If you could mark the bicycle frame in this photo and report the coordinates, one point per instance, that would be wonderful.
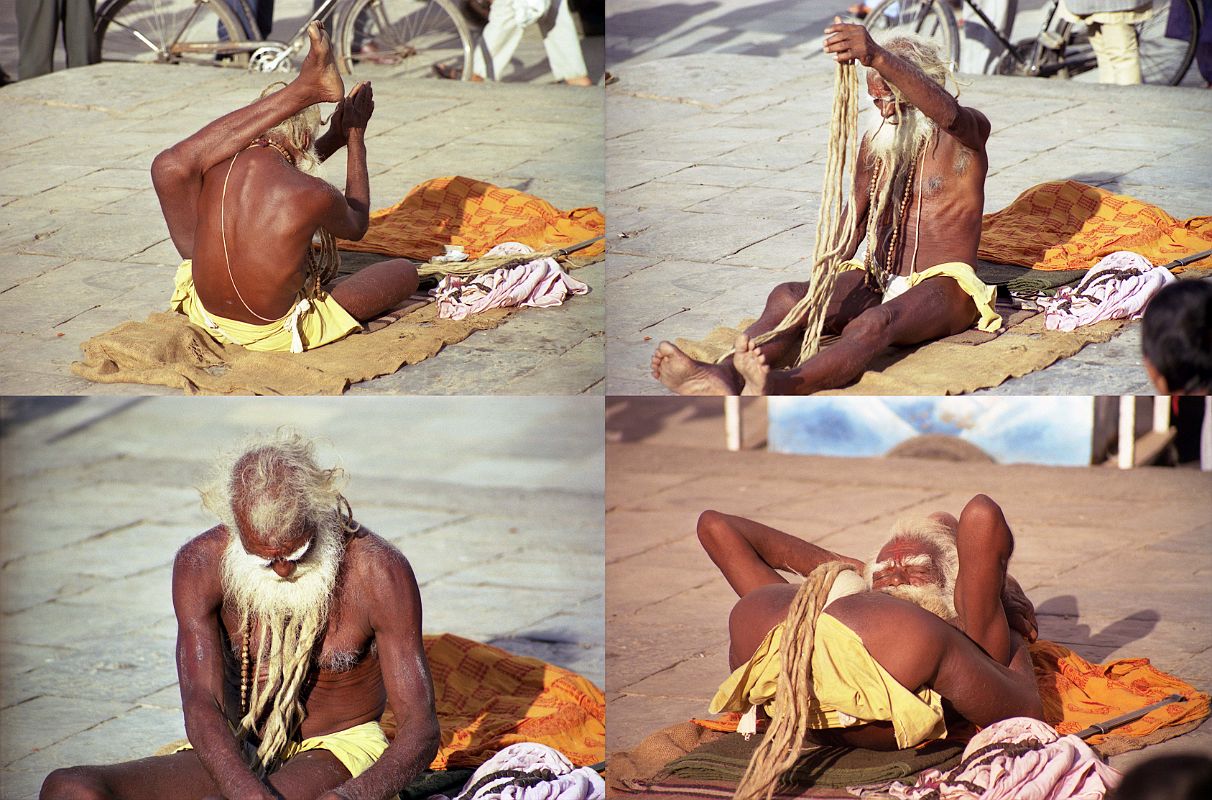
(285, 50)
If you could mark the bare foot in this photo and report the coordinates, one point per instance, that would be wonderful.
(682, 374)
(319, 71)
(583, 80)
(752, 365)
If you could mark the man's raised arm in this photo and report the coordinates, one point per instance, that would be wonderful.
(849, 42)
(197, 598)
(347, 216)
(394, 603)
(748, 553)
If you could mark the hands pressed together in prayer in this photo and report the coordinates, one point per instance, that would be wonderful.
(849, 43)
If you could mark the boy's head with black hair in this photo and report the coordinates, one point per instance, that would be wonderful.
(1177, 338)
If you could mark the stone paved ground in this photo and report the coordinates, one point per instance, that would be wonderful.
(716, 161)
(84, 246)
(503, 531)
(1117, 563)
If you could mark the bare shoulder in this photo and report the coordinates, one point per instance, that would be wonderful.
(376, 564)
(196, 573)
(972, 128)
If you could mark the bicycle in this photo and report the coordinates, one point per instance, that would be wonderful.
(405, 33)
(1062, 50)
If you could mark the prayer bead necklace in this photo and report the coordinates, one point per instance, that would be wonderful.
(889, 266)
(264, 142)
(244, 666)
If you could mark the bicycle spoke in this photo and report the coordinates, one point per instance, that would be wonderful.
(417, 33)
(169, 31)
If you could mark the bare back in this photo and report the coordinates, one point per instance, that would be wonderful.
(271, 212)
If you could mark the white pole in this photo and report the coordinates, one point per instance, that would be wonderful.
(1161, 414)
(1127, 432)
(732, 422)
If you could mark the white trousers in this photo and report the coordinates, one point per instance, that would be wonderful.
(502, 35)
(1116, 49)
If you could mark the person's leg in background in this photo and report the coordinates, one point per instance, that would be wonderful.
(501, 37)
(1116, 49)
(78, 37)
(37, 25)
(563, 47)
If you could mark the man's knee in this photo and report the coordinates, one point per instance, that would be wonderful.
(786, 295)
(73, 783)
(871, 327)
(982, 512)
(710, 525)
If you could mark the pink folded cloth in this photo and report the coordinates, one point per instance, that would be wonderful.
(1117, 287)
(1022, 759)
(540, 283)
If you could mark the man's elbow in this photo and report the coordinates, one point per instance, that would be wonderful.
(169, 172)
(431, 741)
(984, 516)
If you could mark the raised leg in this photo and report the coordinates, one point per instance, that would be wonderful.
(372, 290)
(933, 309)
(177, 172)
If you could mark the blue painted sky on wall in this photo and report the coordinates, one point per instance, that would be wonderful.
(1037, 430)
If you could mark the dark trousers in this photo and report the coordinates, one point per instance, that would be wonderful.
(38, 28)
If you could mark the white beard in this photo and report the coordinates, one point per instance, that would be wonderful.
(930, 597)
(256, 590)
(893, 144)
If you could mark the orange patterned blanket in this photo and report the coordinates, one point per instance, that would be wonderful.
(1069, 225)
(476, 215)
(488, 699)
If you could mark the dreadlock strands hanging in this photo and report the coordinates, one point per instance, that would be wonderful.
(784, 739)
(834, 226)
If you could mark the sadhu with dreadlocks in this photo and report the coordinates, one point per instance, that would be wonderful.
(295, 627)
(928, 636)
(242, 212)
(918, 193)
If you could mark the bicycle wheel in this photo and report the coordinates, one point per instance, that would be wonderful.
(170, 31)
(411, 36)
(1164, 60)
(931, 20)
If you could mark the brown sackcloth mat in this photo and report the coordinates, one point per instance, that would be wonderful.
(167, 350)
(955, 365)
(686, 758)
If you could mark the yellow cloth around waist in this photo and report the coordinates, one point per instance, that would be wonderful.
(356, 748)
(981, 293)
(313, 321)
(846, 681)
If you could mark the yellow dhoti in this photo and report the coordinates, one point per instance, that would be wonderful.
(356, 748)
(849, 687)
(981, 293)
(311, 322)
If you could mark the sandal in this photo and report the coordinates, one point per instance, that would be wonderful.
(453, 72)
(374, 54)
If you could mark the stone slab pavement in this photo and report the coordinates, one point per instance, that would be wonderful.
(715, 168)
(504, 533)
(1116, 562)
(84, 247)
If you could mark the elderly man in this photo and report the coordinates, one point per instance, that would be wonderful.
(919, 192)
(242, 214)
(296, 626)
(935, 620)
